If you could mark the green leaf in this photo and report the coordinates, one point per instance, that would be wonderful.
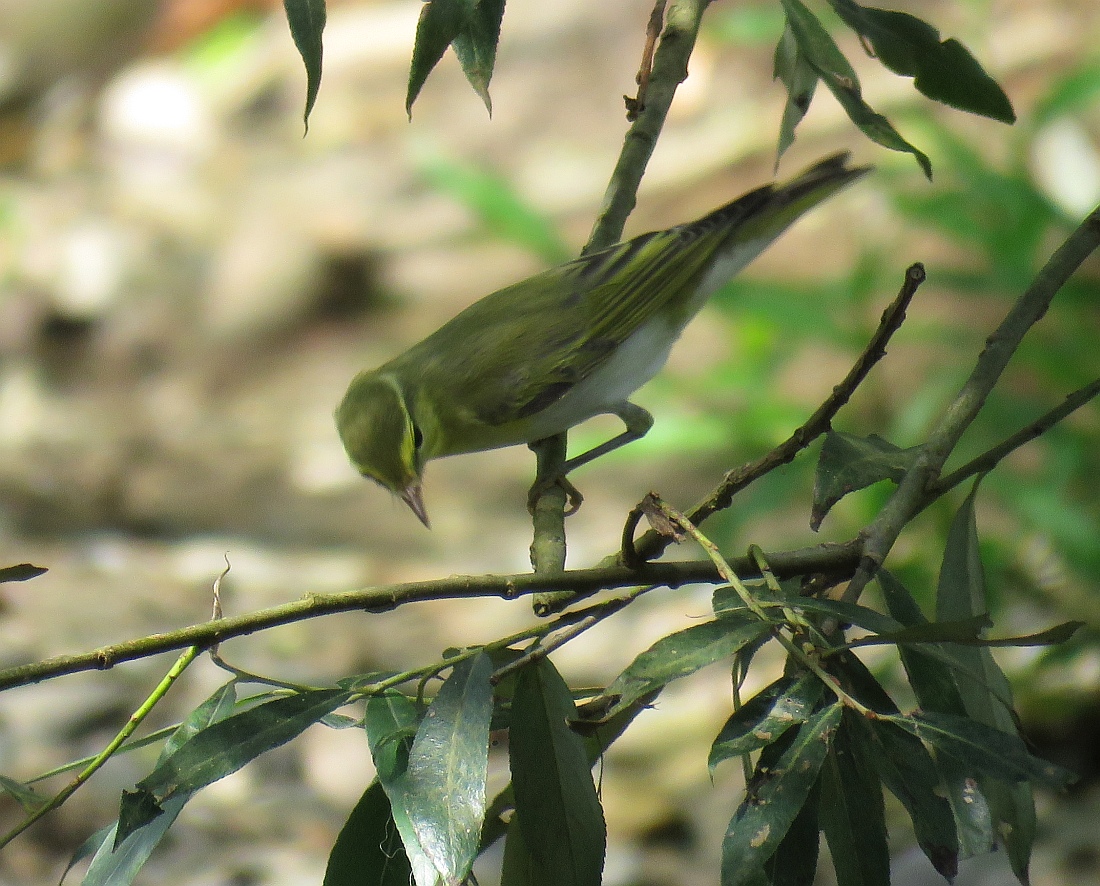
(794, 862)
(390, 721)
(559, 813)
(727, 603)
(440, 22)
(476, 45)
(983, 748)
(26, 796)
(944, 71)
(222, 749)
(800, 78)
(982, 684)
(775, 798)
(848, 463)
(766, 716)
(307, 23)
(852, 812)
(368, 851)
(833, 68)
(681, 654)
(448, 764)
(21, 572)
(518, 867)
(118, 863)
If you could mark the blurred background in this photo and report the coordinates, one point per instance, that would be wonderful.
(187, 284)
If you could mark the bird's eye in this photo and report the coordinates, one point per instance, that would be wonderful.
(418, 437)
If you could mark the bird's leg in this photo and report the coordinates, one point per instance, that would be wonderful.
(551, 472)
(638, 422)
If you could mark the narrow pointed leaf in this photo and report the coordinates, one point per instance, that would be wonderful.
(983, 748)
(983, 686)
(440, 22)
(852, 812)
(559, 813)
(910, 774)
(681, 654)
(943, 71)
(307, 24)
(476, 45)
(834, 69)
(21, 572)
(448, 766)
(849, 463)
(26, 796)
(222, 749)
(390, 721)
(766, 716)
(794, 862)
(117, 863)
(800, 80)
(518, 867)
(368, 850)
(763, 819)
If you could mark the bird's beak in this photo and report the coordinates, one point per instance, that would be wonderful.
(414, 498)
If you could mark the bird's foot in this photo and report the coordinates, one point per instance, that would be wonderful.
(544, 485)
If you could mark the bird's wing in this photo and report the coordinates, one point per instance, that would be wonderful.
(518, 350)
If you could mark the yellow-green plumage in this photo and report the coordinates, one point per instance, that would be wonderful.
(538, 357)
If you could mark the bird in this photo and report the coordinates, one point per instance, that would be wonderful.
(543, 355)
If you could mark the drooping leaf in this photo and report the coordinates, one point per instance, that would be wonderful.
(944, 71)
(821, 52)
(390, 721)
(794, 862)
(848, 463)
(368, 850)
(852, 812)
(983, 748)
(440, 22)
(800, 79)
(903, 764)
(766, 716)
(983, 686)
(476, 45)
(21, 572)
(447, 768)
(683, 653)
(27, 797)
(517, 869)
(307, 24)
(559, 813)
(775, 799)
(222, 749)
(117, 864)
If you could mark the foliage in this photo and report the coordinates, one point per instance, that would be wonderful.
(828, 736)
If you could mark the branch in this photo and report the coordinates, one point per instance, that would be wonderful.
(828, 558)
(652, 544)
(669, 68)
(990, 459)
(911, 495)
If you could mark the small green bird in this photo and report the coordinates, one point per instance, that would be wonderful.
(540, 356)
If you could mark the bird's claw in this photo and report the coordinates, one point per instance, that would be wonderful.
(540, 487)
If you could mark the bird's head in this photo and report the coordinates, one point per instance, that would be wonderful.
(382, 439)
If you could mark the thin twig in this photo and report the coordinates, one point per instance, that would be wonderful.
(136, 718)
(669, 68)
(635, 106)
(911, 494)
(990, 459)
(651, 544)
